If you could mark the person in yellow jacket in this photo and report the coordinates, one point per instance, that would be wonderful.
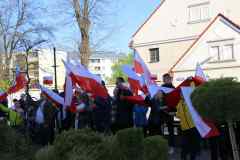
(190, 138)
(14, 116)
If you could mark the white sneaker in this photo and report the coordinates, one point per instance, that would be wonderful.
(171, 150)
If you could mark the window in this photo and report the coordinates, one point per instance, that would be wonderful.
(97, 68)
(198, 12)
(227, 53)
(95, 60)
(214, 53)
(154, 55)
(222, 52)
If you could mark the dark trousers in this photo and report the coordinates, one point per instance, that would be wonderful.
(170, 126)
(190, 144)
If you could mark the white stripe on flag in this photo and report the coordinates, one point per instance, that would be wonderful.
(201, 126)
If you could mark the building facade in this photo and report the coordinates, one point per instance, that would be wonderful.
(174, 26)
(40, 63)
(100, 63)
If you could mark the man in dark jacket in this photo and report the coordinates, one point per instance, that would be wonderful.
(124, 109)
(169, 118)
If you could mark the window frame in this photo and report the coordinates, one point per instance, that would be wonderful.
(154, 52)
(221, 44)
(199, 6)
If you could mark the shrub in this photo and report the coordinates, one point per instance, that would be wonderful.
(218, 100)
(85, 144)
(46, 153)
(77, 144)
(129, 144)
(14, 144)
(155, 148)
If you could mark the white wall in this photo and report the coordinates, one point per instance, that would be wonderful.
(46, 62)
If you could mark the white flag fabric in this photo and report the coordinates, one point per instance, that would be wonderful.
(154, 88)
(201, 126)
(52, 95)
(68, 91)
(128, 70)
(86, 80)
(200, 73)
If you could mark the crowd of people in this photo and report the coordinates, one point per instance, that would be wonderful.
(42, 119)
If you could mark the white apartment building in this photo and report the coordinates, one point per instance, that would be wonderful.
(100, 63)
(181, 33)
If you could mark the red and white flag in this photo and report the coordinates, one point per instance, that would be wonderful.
(141, 68)
(136, 82)
(87, 81)
(154, 88)
(48, 80)
(205, 130)
(173, 97)
(20, 82)
(51, 95)
(199, 73)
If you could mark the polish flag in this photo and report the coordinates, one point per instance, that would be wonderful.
(138, 99)
(136, 82)
(20, 82)
(87, 81)
(54, 97)
(173, 97)
(154, 88)
(141, 68)
(199, 73)
(206, 130)
(48, 80)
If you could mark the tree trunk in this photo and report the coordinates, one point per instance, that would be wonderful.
(233, 141)
(83, 20)
(84, 51)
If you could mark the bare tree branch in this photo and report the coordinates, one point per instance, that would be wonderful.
(19, 20)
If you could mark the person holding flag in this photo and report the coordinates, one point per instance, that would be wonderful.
(190, 138)
(124, 109)
(169, 115)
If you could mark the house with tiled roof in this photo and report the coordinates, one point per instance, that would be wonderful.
(181, 33)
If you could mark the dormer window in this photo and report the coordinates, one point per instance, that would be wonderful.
(199, 12)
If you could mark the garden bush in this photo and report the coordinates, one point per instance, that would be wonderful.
(46, 153)
(14, 145)
(155, 148)
(218, 100)
(85, 144)
(129, 144)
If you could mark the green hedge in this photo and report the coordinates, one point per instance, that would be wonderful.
(155, 148)
(14, 145)
(218, 100)
(128, 144)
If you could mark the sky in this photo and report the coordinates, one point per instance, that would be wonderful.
(123, 18)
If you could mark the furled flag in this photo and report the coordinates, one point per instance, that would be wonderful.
(20, 82)
(48, 80)
(205, 130)
(199, 73)
(51, 95)
(87, 81)
(68, 90)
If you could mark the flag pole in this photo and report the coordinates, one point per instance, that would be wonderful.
(55, 67)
